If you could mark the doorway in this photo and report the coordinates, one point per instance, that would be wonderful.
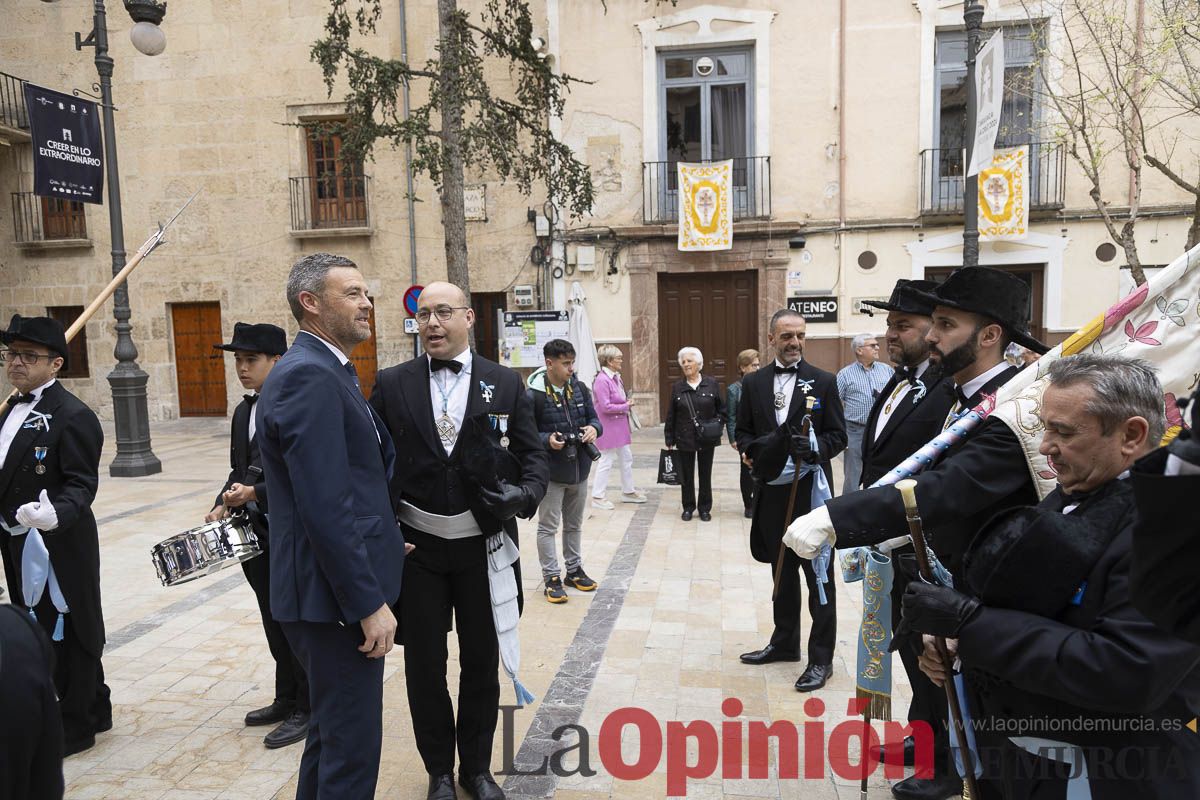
(199, 370)
(487, 325)
(364, 357)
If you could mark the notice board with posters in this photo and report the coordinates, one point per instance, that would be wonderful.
(68, 157)
(526, 332)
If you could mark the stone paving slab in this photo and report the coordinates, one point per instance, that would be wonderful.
(678, 601)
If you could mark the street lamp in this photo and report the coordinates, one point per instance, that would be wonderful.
(973, 16)
(127, 380)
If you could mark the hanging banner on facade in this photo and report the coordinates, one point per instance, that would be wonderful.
(989, 94)
(705, 218)
(1004, 196)
(68, 157)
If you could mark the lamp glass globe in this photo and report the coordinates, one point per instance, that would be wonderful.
(148, 38)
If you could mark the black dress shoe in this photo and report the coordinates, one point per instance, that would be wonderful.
(902, 753)
(276, 712)
(441, 787)
(938, 787)
(813, 677)
(481, 787)
(291, 730)
(686, 516)
(767, 655)
(705, 516)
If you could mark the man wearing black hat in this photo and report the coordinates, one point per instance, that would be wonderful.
(256, 349)
(50, 445)
(977, 312)
(1076, 693)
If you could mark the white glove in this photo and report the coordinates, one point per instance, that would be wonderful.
(808, 534)
(40, 515)
(892, 544)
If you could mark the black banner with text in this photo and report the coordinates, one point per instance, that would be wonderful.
(68, 156)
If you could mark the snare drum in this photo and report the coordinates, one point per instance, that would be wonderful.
(204, 550)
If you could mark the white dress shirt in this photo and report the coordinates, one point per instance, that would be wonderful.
(456, 390)
(899, 392)
(784, 384)
(16, 418)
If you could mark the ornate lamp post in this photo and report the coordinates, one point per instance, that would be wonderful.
(127, 380)
(973, 16)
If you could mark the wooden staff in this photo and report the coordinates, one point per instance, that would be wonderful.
(805, 427)
(908, 490)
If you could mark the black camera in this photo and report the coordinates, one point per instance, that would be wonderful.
(575, 439)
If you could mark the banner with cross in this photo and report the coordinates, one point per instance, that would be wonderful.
(705, 218)
(1004, 196)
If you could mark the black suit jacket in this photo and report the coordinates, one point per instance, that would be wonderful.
(909, 427)
(442, 484)
(245, 467)
(73, 441)
(756, 437)
(978, 477)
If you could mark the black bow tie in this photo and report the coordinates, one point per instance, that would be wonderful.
(907, 374)
(250, 398)
(963, 400)
(17, 399)
(1069, 499)
(792, 369)
(436, 364)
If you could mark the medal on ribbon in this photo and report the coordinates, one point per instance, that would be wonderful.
(40, 454)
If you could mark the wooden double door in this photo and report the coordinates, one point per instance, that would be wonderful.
(716, 312)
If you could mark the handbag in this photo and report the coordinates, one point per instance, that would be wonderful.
(708, 432)
(668, 473)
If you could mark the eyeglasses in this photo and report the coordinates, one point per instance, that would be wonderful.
(443, 313)
(24, 357)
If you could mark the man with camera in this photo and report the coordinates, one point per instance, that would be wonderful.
(568, 426)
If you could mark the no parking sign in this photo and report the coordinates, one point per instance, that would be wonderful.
(410, 298)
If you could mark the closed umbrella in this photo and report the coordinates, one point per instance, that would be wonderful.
(579, 331)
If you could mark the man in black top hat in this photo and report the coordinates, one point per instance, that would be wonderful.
(977, 312)
(50, 445)
(255, 350)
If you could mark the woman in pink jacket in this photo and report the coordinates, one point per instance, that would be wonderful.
(612, 406)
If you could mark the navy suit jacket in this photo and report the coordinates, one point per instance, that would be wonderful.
(336, 552)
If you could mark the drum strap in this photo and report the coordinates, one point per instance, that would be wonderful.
(458, 526)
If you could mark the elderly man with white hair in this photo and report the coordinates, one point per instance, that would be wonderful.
(695, 419)
(859, 384)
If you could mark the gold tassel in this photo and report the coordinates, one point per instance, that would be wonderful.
(879, 705)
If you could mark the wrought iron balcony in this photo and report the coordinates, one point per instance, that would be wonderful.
(13, 114)
(751, 189)
(942, 178)
(330, 202)
(47, 219)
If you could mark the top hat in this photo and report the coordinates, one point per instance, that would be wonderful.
(260, 338)
(994, 293)
(906, 298)
(39, 330)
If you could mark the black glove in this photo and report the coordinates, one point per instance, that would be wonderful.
(506, 503)
(1186, 446)
(936, 610)
(799, 446)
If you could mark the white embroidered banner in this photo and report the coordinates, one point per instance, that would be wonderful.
(705, 216)
(1004, 196)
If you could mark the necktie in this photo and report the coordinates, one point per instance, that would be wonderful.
(780, 370)
(436, 364)
(349, 367)
(17, 399)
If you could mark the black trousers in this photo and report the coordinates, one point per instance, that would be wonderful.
(747, 486)
(822, 636)
(83, 697)
(928, 701)
(687, 469)
(444, 577)
(345, 732)
(31, 737)
(291, 682)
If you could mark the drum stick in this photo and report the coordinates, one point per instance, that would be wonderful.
(805, 427)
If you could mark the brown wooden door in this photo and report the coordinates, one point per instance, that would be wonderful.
(199, 368)
(1033, 274)
(716, 312)
(364, 359)
(487, 328)
(338, 191)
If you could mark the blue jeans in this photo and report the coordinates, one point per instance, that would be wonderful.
(853, 456)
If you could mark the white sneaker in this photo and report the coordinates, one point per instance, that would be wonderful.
(600, 502)
(636, 497)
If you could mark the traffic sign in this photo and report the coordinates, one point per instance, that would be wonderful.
(410, 298)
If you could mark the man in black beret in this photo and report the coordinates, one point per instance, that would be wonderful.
(256, 349)
(50, 445)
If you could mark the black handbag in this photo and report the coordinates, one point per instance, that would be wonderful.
(708, 432)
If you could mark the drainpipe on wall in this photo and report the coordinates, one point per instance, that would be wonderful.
(408, 170)
(840, 240)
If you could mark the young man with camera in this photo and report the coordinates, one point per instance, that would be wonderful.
(568, 426)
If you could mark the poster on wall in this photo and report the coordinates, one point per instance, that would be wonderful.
(526, 332)
(68, 157)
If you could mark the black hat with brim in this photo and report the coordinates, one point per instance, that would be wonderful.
(993, 293)
(37, 330)
(906, 298)
(259, 338)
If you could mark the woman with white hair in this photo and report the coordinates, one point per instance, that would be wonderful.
(613, 407)
(695, 419)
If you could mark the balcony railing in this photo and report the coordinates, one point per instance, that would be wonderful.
(329, 202)
(13, 113)
(942, 178)
(751, 195)
(47, 219)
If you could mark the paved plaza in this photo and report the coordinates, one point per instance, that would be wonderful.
(678, 601)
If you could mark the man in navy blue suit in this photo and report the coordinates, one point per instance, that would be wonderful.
(336, 552)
